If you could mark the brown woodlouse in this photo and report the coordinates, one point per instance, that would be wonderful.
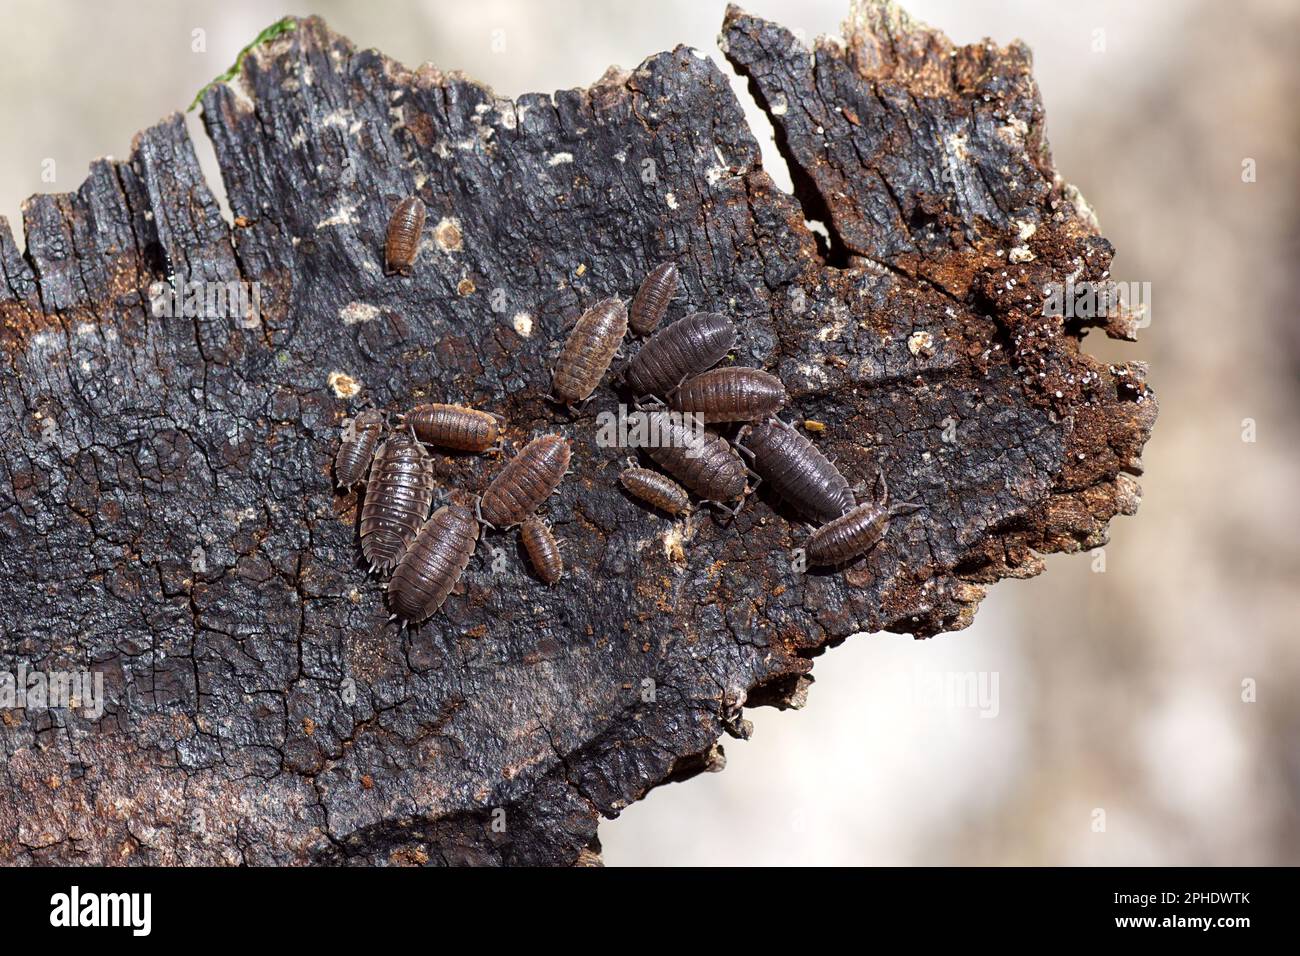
(404, 231)
(433, 564)
(799, 473)
(651, 301)
(705, 463)
(525, 482)
(857, 531)
(589, 351)
(656, 490)
(357, 448)
(543, 549)
(688, 346)
(398, 496)
(731, 394)
(453, 426)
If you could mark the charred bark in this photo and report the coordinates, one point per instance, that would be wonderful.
(166, 507)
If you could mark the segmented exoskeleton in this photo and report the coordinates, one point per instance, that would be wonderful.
(798, 472)
(589, 351)
(687, 347)
(703, 462)
(651, 301)
(525, 482)
(453, 426)
(731, 394)
(402, 242)
(398, 496)
(856, 532)
(433, 564)
(542, 548)
(357, 447)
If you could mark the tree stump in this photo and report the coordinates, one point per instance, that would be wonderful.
(166, 505)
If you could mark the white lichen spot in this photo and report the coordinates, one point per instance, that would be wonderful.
(957, 146)
(921, 343)
(355, 312)
(813, 375)
(559, 159)
(448, 236)
(343, 119)
(236, 86)
(778, 105)
(523, 323)
(343, 386)
(41, 342)
(621, 156)
(1015, 129)
(343, 216)
(673, 549)
(671, 200)
(1025, 229)
(1021, 254)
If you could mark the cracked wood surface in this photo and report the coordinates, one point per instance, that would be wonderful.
(261, 709)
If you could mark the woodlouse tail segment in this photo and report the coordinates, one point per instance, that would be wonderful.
(880, 492)
(905, 508)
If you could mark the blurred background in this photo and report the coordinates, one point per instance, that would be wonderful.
(1142, 714)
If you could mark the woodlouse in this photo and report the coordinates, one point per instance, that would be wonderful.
(589, 351)
(731, 394)
(543, 549)
(453, 426)
(799, 473)
(857, 531)
(357, 447)
(398, 496)
(656, 490)
(433, 564)
(702, 461)
(525, 482)
(688, 346)
(651, 301)
(404, 231)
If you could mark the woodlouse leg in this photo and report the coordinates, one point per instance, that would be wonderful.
(478, 513)
(733, 512)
